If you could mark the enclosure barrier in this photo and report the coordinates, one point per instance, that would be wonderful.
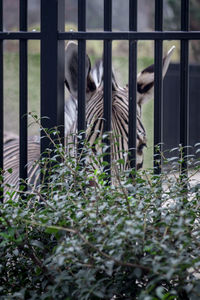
(52, 37)
(171, 99)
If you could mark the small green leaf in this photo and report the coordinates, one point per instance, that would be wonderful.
(10, 170)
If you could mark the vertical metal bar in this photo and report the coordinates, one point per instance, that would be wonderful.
(81, 67)
(52, 67)
(23, 81)
(184, 84)
(61, 71)
(132, 83)
(107, 66)
(158, 90)
(1, 95)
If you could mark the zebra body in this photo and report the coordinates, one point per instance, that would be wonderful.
(120, 102)
(94, 112)
(119, 124)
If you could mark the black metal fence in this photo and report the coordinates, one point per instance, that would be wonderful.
(171, 106)
(53, 36)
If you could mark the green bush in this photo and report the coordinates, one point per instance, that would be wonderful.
(78, 237)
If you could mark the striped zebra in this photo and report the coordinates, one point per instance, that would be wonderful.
(94, 112)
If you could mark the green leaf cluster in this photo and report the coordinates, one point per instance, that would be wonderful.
(85, 234)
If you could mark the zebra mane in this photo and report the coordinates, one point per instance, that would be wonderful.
(97, 75)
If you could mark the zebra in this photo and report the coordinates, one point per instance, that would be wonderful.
(94, 111)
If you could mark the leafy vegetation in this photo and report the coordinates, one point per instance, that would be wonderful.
(77, 237)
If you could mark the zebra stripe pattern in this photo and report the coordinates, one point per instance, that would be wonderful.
(94, 112)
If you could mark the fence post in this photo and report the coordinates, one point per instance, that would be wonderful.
(158, 90)
(184, 86)
(107, 80)
(81, 67)
(1, 97)
(23, 93)
(133, 4)
(52, 67)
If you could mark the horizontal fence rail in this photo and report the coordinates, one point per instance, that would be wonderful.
(101, 35)
(53, 36)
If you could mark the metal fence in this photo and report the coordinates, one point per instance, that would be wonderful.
(52, 37)
(171, 106)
